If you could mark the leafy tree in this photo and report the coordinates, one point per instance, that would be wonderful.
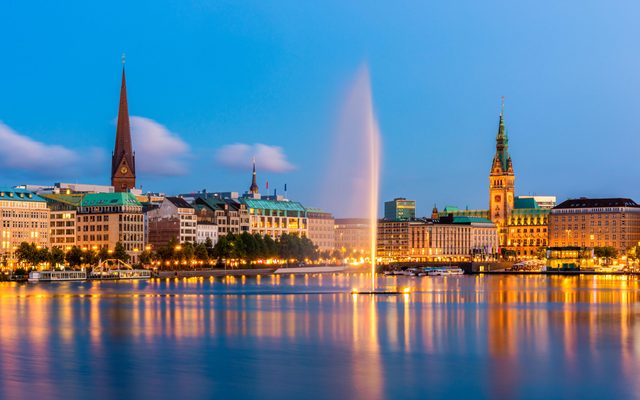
(56, 256)
(201, 253)
(27, 253)
(120, 253)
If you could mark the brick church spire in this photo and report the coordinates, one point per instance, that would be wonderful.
(123, 160)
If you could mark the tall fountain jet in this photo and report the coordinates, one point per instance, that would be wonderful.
(354, 173)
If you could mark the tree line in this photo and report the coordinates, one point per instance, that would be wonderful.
(243, 247)
(32, 255)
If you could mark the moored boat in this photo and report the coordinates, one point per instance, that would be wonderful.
(55, 276)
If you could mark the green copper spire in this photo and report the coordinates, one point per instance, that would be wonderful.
(502, 143)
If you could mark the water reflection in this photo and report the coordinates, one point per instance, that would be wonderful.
(274, 337)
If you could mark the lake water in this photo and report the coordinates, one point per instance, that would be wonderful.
(307, 337)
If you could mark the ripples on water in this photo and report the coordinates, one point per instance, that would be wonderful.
(308, 337)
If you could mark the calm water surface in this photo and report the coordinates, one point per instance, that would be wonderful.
(308, 337)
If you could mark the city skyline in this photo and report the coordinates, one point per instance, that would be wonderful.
(556, 120)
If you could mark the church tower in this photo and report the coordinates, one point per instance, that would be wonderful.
(123, 159)
(501, 183)
(253, 189)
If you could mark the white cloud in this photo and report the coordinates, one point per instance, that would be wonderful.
(21, 152)
(240, 156)
(158, 150)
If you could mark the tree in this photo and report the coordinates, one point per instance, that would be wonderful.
(74, 256)
(120, 253)
(56, 256)
(27, 253)
(201, 253)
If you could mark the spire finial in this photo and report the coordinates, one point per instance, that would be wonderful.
(124, 59)
(502, 108)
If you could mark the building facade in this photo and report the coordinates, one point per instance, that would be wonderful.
(63, 208)
(321, 229)
(104, 219)
(174, 219)
(24, 217)
(589, 223)
(274, 218)
(400, 209)
(353, 237)
(206, 230)
(446, 239)
(229, 215)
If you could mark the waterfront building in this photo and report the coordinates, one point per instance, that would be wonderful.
(353, 236)
(206, 230)
(546, 202)
(400, 209)
(123, 165)
(24, 217)
(173, 219)
(67, 188)
(321, 229)
(229, 215)
(274, 218)
(448, 238)
(63, 208)
(589, 223)
(104, 219)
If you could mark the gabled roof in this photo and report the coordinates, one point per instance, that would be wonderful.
(72, 200)
(179, 202)
(584, 202)
(12, 194)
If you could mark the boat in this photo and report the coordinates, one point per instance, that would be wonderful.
(112, 269)
(57, 276)
(446, 271)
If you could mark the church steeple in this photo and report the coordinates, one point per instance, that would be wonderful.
(502, 159)
(254, 184)
(123, 167)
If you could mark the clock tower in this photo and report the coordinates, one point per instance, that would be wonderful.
(501, 183)
(123, 159)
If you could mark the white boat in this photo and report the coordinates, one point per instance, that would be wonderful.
(55, 276)
(446, 271)
(118, 269)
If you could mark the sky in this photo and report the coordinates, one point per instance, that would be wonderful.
(212, 84)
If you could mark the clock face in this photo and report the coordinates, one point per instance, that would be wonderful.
(124, 170)
(497, 198)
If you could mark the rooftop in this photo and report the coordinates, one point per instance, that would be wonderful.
(12, 194)
(109, 199)
(273, 205)
(584, 202)
(179, 202)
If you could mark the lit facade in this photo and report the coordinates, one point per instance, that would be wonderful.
(173, 219)
(400, 209)
(104, 219)
(353, 236)
(24, 217)
(229, 215)
(589, 223)
(321, 229)
(274, 218)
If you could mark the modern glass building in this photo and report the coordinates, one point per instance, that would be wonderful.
(400, 209)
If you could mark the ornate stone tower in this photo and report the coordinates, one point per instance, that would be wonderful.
(123, 159)
(501, 183)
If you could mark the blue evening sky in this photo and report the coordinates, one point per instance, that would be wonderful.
(216, 73)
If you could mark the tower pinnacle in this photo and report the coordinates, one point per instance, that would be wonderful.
(254, 184)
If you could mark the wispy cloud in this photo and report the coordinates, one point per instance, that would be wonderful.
(240, 156)
(24, 154)
(158, 150)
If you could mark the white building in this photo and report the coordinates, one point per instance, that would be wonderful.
(206, 230)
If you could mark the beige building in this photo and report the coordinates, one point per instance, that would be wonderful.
(446, 239)
(321, 229)
(353, 236)
(63, 219)
(24, 217)
(275, 217)
(104, 219)
(589, 223)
